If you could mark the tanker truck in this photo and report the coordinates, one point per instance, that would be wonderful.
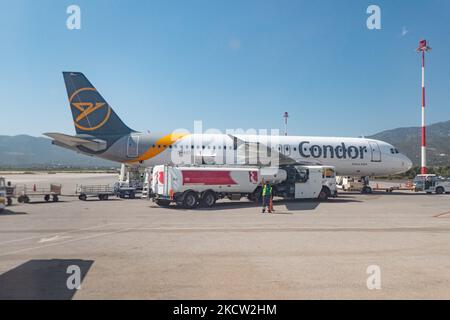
(191, 186)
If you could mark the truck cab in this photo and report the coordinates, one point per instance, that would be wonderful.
(430, 183)
(315, 182)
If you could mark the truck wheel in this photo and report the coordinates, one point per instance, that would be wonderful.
(132, 195)
(47, 197)
(190, 200)
(26, 199)
(9, 201)
(20, 199)
(208, 199)
(256, 196)
(163, 203)
(323, 195)
(439, 190)
(105, 197)
(367, 190)
(55, 198)
(82, 197)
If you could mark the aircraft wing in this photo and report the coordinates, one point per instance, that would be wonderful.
(72, 142)
(256, 153)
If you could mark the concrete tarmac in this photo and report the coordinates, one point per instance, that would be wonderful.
(132, 249)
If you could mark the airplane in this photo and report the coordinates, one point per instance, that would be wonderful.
(101, 133)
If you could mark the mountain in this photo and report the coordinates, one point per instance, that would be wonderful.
(408, 141)
(25, 151)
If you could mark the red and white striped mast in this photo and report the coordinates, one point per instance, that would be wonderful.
(423, 48)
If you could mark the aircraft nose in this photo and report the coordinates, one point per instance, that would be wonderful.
(407, 162)
(410, 164)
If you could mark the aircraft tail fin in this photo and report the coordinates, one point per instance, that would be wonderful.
(91, 113)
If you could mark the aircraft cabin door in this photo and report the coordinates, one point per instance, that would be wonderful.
(133, 146)
(376, 152)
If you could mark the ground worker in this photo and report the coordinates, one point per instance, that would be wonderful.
(267, 195)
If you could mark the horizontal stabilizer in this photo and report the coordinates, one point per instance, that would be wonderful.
(73, 141)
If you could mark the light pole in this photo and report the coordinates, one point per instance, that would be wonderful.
(423, 48)
(285, 116)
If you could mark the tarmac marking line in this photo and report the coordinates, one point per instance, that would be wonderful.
(67, 241)
(55, 234)
(441, 214)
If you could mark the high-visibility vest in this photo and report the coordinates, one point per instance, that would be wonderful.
(267, 191)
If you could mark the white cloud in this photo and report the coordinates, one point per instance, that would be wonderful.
(404, 31)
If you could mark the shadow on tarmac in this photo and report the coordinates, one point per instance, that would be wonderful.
(41, 279)
(8, 212)
(290, 205)
(43, 201)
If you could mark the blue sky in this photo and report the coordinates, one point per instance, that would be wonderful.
(232, 64)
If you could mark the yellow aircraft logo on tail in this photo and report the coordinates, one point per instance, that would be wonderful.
(87, 108)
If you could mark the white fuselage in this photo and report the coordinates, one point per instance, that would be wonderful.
(350, 156)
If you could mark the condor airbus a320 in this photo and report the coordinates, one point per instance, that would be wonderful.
(101, 133)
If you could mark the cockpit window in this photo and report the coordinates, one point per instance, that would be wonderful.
(392, 150)
(396, 151)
